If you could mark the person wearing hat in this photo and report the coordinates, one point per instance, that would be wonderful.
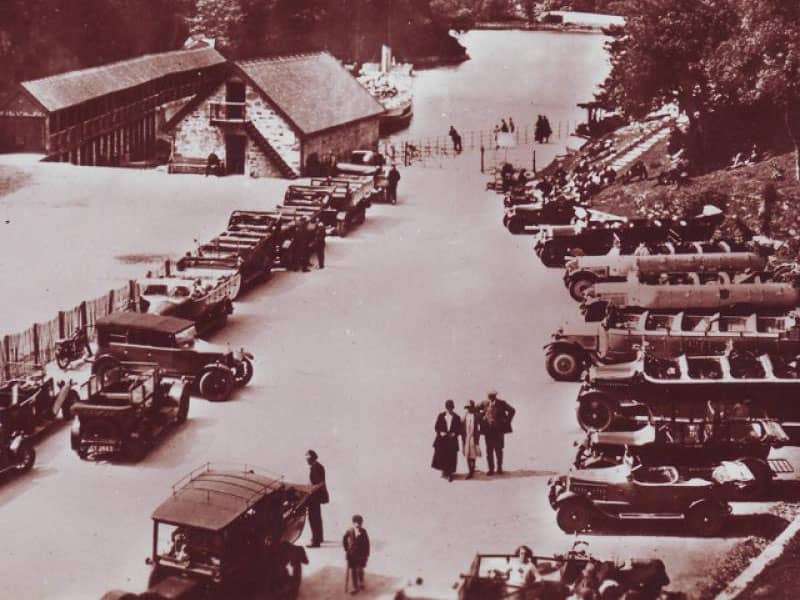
(316, 476)
(470, 436)
(445, 445)
(496, 417)
(356, 552)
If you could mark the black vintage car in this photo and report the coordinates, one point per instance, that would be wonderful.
(694, 446)
(126, 413)
(584, 499)
(528, 217)
(127, 339)
(741, 383)
(34, 403)
(556, 243)
(226, 533)
(620, 336)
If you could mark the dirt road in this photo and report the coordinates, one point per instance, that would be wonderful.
(429, 300)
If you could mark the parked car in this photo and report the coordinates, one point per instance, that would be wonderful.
(361, 188)
(340, 212)
(226, 533)
(34, 403)
(126, 413)
(529, 217)
(694, 446)
(281, 224)
(582, 272)
(18, 454)
(583, 499)
(557, 242)
(739, 382)
(620, 336)
(369, 163)
(490, 575)
(205, 304)
(769, 297)
(127, 339)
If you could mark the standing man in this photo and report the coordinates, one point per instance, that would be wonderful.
(319, 496)
(319, 244)
(394, 179)
(356, 552)
(445, 445)
(497, 415)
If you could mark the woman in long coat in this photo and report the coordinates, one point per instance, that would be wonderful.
(470, 436)
(445, 446)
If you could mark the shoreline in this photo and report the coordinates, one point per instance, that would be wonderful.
(526, 26)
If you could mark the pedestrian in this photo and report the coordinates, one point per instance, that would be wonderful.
(503, 126)
(547, 131)
(319, 496)
(356, 552)
(456, 137)
(445, 445)
(496, 417)
(301, 245)
(213, 164)
(319, 244)
(393, 180)
(471, 436)
(511, 126)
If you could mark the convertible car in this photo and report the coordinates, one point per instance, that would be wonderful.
(583, 499)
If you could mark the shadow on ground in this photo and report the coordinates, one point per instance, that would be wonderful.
(738, 526)
(329, 582)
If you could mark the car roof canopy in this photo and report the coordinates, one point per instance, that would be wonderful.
(211, 498)
(145, 321)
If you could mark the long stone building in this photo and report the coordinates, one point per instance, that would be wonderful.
(109, 114)
(278, 117)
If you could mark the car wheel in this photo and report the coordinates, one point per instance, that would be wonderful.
(216, 384)
(183, 407)
(515, 225)
(706, 518)
(578, 287)
(574, 516)
(551, 257)
(26, 456)
(135, 450)
(244, 372)
(564, 364)
(595, 413)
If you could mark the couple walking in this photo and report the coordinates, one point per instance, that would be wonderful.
(492, 418)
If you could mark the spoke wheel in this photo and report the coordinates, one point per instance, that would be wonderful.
(577, 289)
(216, 384)
(595, 413)
(564, 365)
(574, 516)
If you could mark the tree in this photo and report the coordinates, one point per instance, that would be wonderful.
(759, 65)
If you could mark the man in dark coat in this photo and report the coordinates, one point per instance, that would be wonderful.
(394, 179)
(316, 476)
(445, 446)
(356, 551)
(496, 415)
(319, 244)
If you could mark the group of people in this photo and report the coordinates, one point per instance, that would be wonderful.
(355, 541)
(491, 418)
(542, 130)
(308, 240)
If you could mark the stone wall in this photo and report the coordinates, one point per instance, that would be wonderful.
(362, 135)
(274, 128)
(195, 136)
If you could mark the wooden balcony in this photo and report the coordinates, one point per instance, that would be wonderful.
(227, 112)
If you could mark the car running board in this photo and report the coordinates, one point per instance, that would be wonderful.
(669, 516)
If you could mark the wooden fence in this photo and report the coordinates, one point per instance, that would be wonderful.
(21, 353)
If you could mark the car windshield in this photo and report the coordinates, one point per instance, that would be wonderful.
(188, 546)
(186, 338)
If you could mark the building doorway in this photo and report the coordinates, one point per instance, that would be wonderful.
(235, 146)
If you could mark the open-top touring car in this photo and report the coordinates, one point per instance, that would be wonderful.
(204, 303)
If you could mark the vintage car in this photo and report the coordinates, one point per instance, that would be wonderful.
(126, 413)
(375, 184)
(582, 272)
(18, 454)
(226, 533)
(494, 576)
(770, 297)
(340, 212)
(127, 339)
(204, 303)
(33, 403)
(582, 499)
(740, 383)
(694, 446)
(367, 163)
(281, 224)
(529, 217)
(620, 336)
(361, 188)
(557, 242)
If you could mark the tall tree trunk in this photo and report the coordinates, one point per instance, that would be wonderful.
(794, 134)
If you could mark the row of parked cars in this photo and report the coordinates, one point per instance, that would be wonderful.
(688, 355)
(222, 531)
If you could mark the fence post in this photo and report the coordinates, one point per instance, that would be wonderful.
(7, 349)
(559, 130)
(534, 161)
(167, 268)
(132, 300)
(84, 318)
(62, 324)
(36, 356)
(482, 152)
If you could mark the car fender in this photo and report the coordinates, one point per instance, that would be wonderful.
(582, 274)
(721, 504)
(559, 345)
(569, 495)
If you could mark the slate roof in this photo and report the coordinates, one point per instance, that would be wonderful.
(71, 88)
(314, 91)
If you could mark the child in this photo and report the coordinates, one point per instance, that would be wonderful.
(356, 551)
